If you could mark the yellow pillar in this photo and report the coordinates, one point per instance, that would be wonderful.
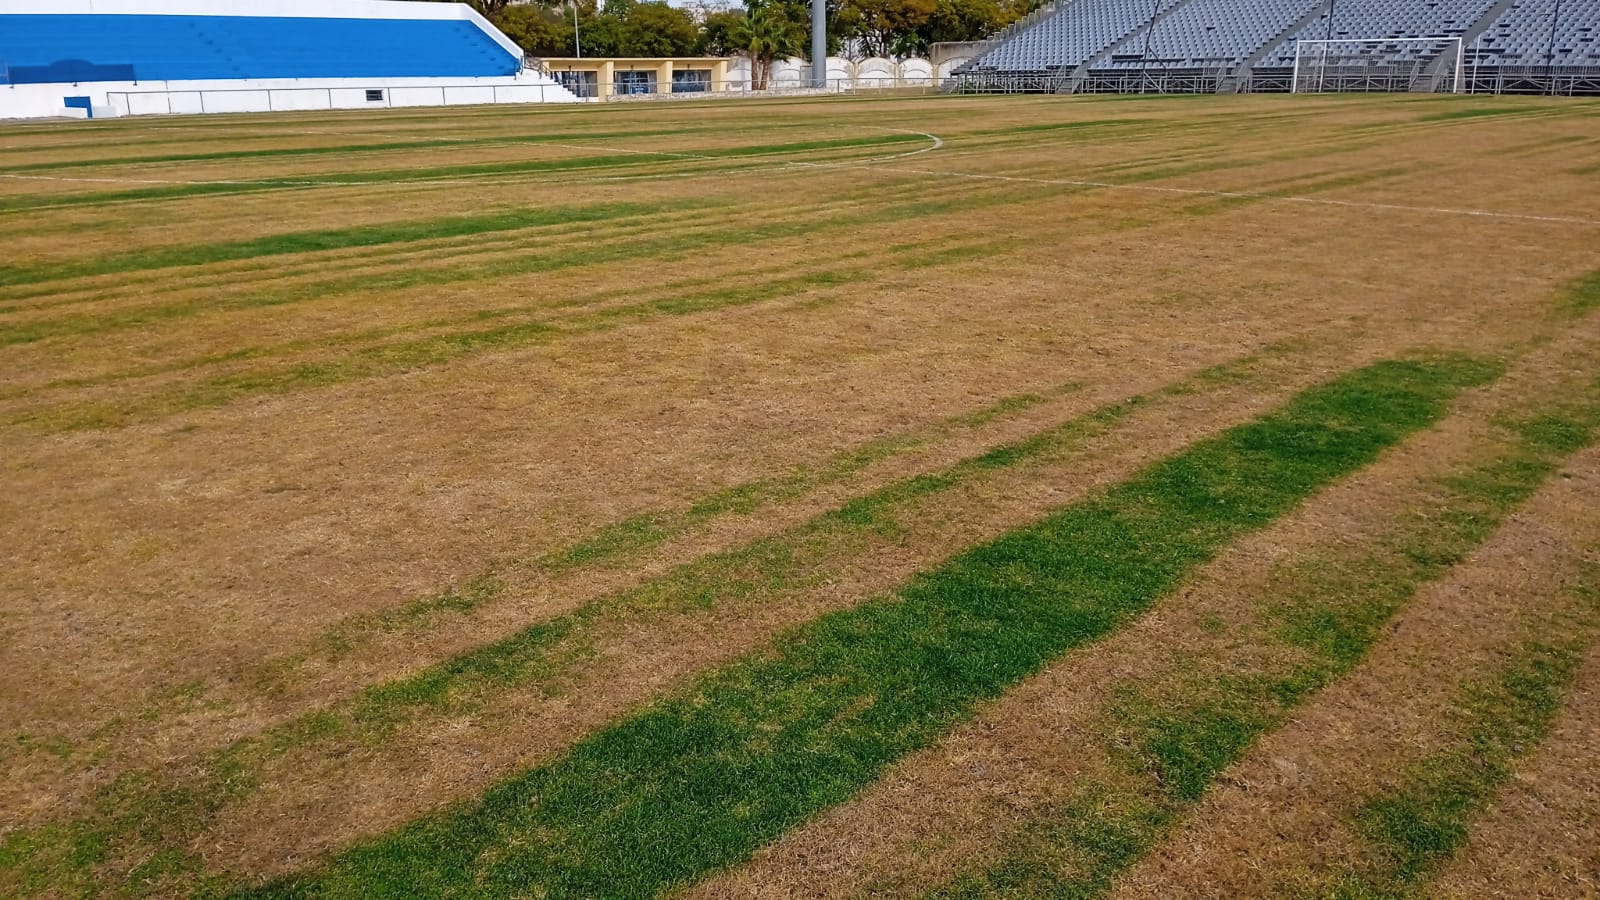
(719, 75)
(664, 77)
(607, 76)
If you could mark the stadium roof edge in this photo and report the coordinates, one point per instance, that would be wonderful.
(289, 9)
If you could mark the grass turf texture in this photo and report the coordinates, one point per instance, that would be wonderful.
(1172, 737)
(700, 780)
(158, 814)
(1420, 822)
(338, 410)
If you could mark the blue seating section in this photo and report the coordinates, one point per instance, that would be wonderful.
(39, 49)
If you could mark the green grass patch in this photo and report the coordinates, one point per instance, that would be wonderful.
(1582, 295)
(1420, 822)
(1169, 737)
(1076, 854)
(539, 655)
(700, 780)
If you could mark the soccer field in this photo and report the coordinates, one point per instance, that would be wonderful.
(936, 496)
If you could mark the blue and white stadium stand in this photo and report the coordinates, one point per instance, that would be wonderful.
(130, 57)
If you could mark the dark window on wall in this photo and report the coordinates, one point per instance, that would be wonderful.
(374, 96)
(636, 82)
(691, 81)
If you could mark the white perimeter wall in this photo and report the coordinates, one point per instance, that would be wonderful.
(120, 98)
(873, 72)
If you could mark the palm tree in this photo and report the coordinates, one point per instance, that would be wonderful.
(768, 35)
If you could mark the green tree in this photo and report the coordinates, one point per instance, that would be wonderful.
(539, 31)
(656, 29)
(769, 34)
(719, 33)
(884, 27)
(965, 20)
(602, 31)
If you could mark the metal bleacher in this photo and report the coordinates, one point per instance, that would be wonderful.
(1202, 40)
(1191, 46)
(1538, 41)
(1054, 46)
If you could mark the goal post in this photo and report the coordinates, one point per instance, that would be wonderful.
(1375, 64)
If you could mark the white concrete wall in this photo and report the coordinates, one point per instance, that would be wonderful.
(114, 98)
(874, 73)
(916, 72)
(843, 74)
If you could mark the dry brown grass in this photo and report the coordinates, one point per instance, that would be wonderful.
(955, 808)
(1281, 820)
(152, 570)
(1538, 840)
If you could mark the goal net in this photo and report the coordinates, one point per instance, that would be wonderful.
(1378, 64)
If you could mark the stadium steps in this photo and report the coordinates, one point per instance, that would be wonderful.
(1437, 71)
(1246, 70)
(1075, 81)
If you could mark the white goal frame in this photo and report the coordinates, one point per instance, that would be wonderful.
(1302, 63)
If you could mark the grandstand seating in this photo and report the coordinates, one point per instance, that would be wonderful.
(1369, 19)
(1251, 45)
(74, 48)
(1211, 33)
(1522, 36)
(1078, 31)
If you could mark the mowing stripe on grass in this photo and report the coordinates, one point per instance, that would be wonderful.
(332, 239)
(347, 149)
(701, 780)
(386, 359)
(412, 354)
(617, 245)
(1419, 823)
(143, 814)
(641, 159)
(1170, 737)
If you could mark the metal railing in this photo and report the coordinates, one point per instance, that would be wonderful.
(729, 89)
(1152, 81)
(1007, 83)
(238, 100)
(1566, 81)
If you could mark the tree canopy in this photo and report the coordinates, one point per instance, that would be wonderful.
(764, 30)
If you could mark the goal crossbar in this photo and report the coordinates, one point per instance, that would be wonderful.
(1302, 60)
